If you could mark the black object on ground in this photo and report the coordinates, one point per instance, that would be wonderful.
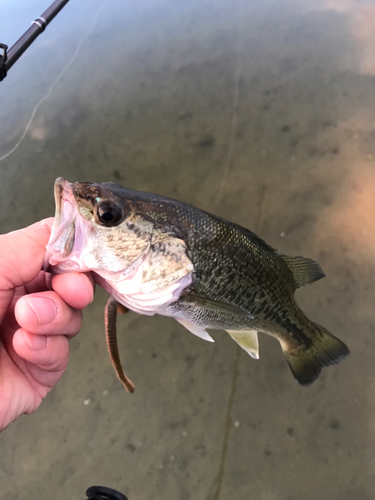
(103, 493)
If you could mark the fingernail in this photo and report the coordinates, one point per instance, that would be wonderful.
(89, 286)
(44, 309)
(37, 342)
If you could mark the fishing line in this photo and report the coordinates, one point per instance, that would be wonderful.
(228, 421)
(236, 95)
(44, 98)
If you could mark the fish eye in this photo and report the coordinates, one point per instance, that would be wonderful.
(109, 213)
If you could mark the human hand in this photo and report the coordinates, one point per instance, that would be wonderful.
(38, 314)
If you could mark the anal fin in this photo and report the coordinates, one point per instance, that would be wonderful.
(248, 340)
(199, 331)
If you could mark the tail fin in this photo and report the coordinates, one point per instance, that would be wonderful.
(306, 363)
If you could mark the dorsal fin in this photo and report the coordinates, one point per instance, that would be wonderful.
(305, 271)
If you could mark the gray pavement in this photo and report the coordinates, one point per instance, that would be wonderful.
(264, 113)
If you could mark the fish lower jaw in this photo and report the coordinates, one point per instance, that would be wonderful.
(51, 264)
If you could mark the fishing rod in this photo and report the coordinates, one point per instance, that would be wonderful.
(9, 57)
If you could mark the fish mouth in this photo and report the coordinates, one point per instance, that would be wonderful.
(63, 234)
(60, 186)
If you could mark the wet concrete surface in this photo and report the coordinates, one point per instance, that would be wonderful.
(264, 113)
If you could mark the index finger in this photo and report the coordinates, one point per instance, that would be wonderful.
(76, 289)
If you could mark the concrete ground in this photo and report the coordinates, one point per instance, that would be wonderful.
(262, 111)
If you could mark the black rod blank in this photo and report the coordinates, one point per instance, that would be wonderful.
(37, 27)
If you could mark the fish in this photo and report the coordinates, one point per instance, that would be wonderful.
(157, 255)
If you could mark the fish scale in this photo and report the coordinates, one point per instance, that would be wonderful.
(214, 247)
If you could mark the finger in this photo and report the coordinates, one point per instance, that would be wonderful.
(77, 289)
(23, 253)
(38, 284)
(48, 352)
(48, 355)
(46, 313)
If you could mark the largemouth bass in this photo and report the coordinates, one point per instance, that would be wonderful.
(156, 255)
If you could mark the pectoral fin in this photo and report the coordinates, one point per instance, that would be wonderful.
(198, 302)
(248, 340)
(197, 330)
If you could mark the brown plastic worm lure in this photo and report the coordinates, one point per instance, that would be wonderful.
(110, 321)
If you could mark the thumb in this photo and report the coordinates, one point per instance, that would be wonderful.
(22, 253)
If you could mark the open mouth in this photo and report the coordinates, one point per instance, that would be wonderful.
(62, 237)
(63, 231)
